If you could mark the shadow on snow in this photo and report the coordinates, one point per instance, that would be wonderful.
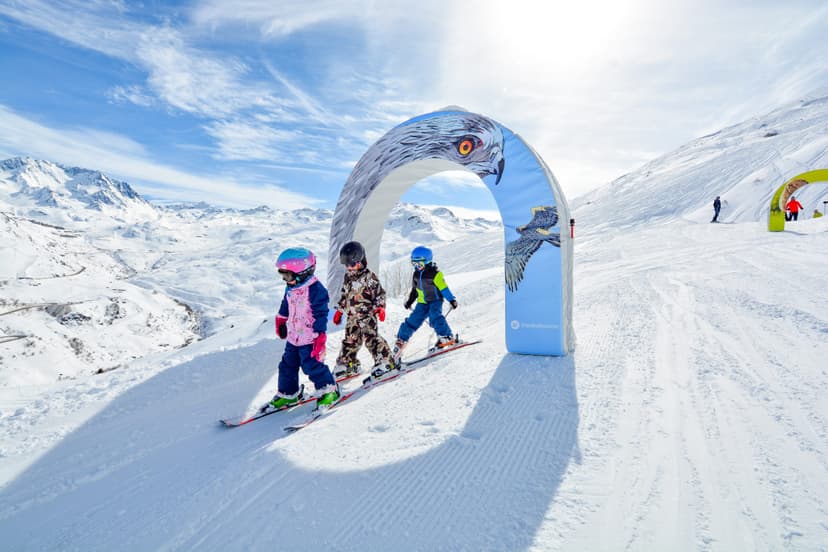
(153, 471)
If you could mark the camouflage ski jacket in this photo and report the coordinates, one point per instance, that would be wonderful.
(361, 293)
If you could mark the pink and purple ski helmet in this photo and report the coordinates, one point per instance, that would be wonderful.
(298, 260)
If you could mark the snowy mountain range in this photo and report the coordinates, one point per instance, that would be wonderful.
(39, 184)
(90, 244)
(691, 416)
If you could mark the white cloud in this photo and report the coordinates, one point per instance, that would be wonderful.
(275, 20)
(600, 87)
(127, 160)
(96, 25)
(197, 83)
(451, 182)
(131, 94)
(597, 87)
(244, 141)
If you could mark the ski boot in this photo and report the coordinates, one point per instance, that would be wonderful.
(281, 400)
(381, 368)
(330, 395)
(445, 341)
(344, 370)
(396, 352)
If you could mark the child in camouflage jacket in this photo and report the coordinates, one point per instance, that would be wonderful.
(362, 298)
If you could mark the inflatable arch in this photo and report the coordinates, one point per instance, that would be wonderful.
(538, 254)
(776, 218)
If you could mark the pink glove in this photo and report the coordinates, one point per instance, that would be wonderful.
(337, 317)
(281, 326)
(318, 351)
(380, 313)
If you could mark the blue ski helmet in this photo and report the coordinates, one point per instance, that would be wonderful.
(421, 256)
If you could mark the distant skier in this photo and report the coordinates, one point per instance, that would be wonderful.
(793, 206)
(428, 289)
(817, 214)
(362, 299)
(717, 206)
(302, 320)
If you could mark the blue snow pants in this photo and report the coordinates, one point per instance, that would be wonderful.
(296, 356)
(433, 311)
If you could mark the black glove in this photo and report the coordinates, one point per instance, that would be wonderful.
(453, 303)
(408, 303)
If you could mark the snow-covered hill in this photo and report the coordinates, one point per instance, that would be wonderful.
(744, 164)
(692, 415)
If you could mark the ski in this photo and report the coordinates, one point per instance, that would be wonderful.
(406, 365)
(437, 352)
(265, 411)
(320, 413)
(370, 382)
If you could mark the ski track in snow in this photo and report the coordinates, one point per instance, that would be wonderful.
(718, 426)
(692, 416)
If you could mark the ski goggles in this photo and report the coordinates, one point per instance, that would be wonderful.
(287, 275)
(419, 264)
(356, 264)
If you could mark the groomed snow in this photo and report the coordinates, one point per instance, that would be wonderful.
(692, 415)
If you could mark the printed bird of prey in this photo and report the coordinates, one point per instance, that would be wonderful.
(532, 236)
(468, 139)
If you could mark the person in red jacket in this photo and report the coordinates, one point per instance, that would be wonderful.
(793, 206)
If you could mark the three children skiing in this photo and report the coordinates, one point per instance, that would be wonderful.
(303, 315)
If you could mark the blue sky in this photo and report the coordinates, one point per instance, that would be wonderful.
(251, 102)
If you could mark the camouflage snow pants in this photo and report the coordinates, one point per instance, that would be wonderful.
(359, 329)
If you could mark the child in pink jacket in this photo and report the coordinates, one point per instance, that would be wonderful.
(303, 321)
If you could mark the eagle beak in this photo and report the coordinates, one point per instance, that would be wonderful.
(500, 166)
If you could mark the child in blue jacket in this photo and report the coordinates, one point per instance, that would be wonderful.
(428, 289)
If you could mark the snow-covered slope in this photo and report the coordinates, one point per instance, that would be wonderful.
(692, 415)
(68, 309)
(744, 164)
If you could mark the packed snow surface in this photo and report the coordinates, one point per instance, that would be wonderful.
(691, 416)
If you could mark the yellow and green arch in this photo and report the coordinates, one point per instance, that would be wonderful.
(776, 218)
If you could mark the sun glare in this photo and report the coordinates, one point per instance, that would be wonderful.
(553, 39)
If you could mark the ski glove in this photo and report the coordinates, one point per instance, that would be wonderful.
(380, 311)
(281, 326)
(453, 303)
(318, 351)
(408, 304)
(337, 317)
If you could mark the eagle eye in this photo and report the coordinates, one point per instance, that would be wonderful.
(465, 146)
